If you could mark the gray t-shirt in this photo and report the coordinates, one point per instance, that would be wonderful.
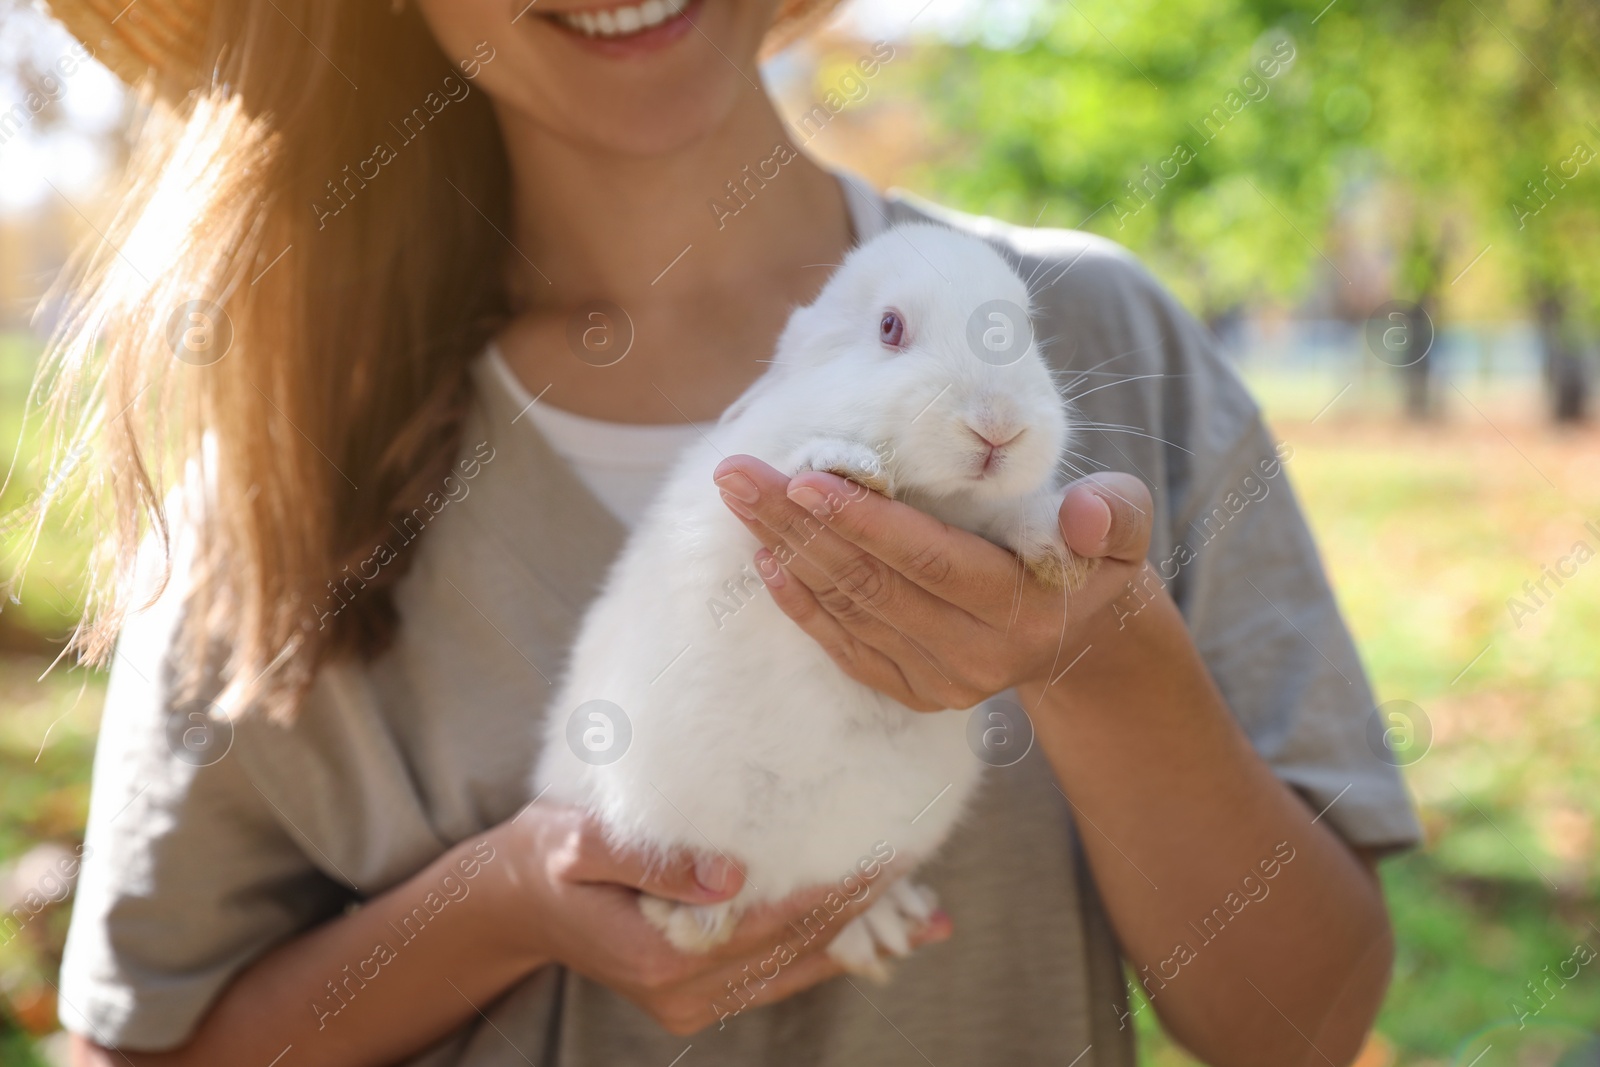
(199, 862)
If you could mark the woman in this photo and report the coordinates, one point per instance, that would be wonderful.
(397, 253)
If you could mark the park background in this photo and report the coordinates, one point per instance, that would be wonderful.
(1394, 236)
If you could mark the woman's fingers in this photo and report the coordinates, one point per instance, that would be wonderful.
(808, 919)
(955, 566)
(1108, 515)
(749, 985)
(763, 979)
(868, 595)
(912, 607)
(844, 530)
(758, 494)
(861, 661)
(866, 598)
(686, 877)
(882, 627)
(782, 944)
(716, 996)
(776, 950)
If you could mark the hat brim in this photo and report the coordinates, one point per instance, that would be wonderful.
(167, 38)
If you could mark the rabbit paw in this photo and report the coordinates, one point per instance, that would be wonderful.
(848, 459)
(887, 925)
(690, 927)
(1034, 534)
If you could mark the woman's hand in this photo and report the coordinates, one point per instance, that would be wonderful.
(548, 890)
(928, 614)
(1168, 788)
(583, 898)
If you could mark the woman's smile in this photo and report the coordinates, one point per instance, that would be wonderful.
(630, 29)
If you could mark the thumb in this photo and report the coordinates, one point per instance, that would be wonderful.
(680, 875)
(1107, 515)
(691, 879)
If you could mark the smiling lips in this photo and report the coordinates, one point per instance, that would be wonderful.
(620, 22)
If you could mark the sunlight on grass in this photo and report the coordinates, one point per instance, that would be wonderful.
(1428, 532)
(47, 732)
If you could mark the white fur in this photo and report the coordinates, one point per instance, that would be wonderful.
(746, 739)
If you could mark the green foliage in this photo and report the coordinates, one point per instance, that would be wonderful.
(49, 600)
(1441, 111)
(1426, 532)
(47, 732)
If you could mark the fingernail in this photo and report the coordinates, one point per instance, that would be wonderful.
(1100, 524)
(713, 873)
(738, 508)
(938, 927)
(738, 485)
(809, 499)
(769, 569)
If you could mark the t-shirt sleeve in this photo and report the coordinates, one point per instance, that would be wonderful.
(1230, 543)
(1246, 575)
(188, 874)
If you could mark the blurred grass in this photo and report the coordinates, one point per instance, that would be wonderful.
(47, 734)
(48, 603)
(47, 720)
(1426, 532)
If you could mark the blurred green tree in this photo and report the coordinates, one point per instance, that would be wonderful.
(1230, 143)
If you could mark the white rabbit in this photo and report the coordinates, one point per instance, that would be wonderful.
(695, 715)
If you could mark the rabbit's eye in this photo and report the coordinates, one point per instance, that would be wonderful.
(892, 329)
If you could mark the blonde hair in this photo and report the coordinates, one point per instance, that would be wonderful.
(342, 305)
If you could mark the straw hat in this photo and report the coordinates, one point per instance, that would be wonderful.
(168, 36)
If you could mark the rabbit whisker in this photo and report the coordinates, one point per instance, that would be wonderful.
(1136, 433)
(1108, 385)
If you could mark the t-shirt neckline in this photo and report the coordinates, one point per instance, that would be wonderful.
(604, 440)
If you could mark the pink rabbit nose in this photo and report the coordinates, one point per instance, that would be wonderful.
(996, 439)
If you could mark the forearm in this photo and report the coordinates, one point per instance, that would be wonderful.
(1176, 810)
(375, 985)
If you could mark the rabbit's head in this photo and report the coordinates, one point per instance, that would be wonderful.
(920, 345)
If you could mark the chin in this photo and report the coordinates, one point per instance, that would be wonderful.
(568, 67)
(1019, 476)
(1004, 485)
(957, 476)
(654, 123)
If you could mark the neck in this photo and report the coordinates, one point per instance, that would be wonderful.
(602, 225)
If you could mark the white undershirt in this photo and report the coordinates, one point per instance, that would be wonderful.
(623, 464)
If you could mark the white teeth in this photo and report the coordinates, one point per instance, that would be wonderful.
(622, 21)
